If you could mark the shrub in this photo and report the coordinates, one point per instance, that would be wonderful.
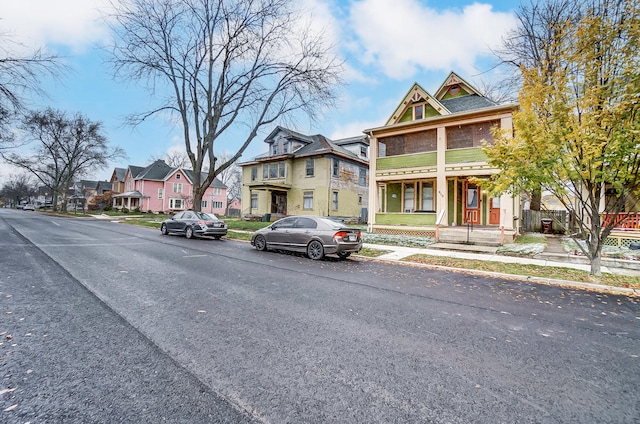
(107, 208)
(125, 210)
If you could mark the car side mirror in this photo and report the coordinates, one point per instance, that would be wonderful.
(273, 227)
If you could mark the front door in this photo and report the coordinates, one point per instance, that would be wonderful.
(471, 203)
(279, 202)
(494, 211)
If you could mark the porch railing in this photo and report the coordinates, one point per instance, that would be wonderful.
(623, 220)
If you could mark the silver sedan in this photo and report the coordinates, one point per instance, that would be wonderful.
(316, 236)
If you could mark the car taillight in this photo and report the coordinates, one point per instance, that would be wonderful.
(340, 234)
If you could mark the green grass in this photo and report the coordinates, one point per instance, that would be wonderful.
(372, 253)
(557, 273)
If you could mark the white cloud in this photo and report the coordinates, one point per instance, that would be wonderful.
(76, 24)
(402, 37)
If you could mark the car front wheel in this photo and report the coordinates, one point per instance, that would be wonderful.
(260, 243)
(188, 233)
(315, 250)
(163, 230)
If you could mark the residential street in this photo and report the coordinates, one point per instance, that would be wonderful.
(106, 322)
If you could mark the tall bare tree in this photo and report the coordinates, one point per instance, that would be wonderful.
(64, 148)
(224, 69)
(20, 75)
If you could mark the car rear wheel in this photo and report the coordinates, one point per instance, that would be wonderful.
(217, 237)
(344, 255)
(260, 243)
(188, 233)
(315, 250)
(163, 230)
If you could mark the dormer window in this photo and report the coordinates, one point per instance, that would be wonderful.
(285, 148)
(418, 112)
(274, 149)
(454, 90)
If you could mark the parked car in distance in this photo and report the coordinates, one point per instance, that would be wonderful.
(28, 207)
(194, 224)
(316, 236)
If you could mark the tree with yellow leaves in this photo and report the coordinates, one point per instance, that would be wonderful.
(577, 133)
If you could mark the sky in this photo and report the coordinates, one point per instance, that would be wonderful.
(386, 45)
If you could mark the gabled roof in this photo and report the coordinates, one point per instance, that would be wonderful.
(134, 170)
(157, 171)
(455, 95)
(416, 94)
(119, 173)
(189, 174)
(289, 134)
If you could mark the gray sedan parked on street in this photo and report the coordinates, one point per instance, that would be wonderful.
(314, 235)
(194, 224)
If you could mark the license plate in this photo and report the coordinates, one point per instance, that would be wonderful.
(353, 237)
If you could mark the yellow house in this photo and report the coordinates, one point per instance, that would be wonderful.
(307, 175)
(427, 159)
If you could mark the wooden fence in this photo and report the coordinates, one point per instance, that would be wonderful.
(532, 220)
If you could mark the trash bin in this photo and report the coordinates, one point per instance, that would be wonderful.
(266, 217)
(547, 226)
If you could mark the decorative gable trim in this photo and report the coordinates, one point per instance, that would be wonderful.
(452, 80)
(416, 94)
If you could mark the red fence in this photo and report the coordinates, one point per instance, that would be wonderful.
(624, 220)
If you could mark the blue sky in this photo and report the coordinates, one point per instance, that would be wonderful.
(387, 45)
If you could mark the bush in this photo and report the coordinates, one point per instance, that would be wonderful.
(137, 210)
(125, 210)
(107, 208)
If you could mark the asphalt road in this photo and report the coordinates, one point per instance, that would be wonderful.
(105, 322)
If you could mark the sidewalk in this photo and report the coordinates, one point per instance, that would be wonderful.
(552, 256)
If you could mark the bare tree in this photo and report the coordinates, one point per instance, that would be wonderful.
(20, 76)
(222, 68)
(232, 178)
(19, 187)
(64, 148)
(532, 43)
(173, 158)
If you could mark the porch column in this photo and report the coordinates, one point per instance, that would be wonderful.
(373, 182)
(442, 191)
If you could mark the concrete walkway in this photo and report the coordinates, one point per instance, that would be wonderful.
(554, 255)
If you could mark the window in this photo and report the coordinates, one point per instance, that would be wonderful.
(265, 171)
(334, 200)
(177, 187)
(409, 194)
(427, 196)
(307, 200)
(335, 167)
(305, 223)
(203, 204)
(177, 176)
(464, 136)
(281, 170)
(274, 149)
(285, 148)
(160, 193)
(254, 201)
(273, 170)
(254, 173)
(217, 190)
(360, 199)
(176, 203)
(362, 177)
(418, 112)
(310, 167)
(216, 205)
(420, 142)
(363, 151)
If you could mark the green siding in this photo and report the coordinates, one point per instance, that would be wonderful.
(407, 116)
(409, 219)
(462, 92)
(472, 154)
(407, 161)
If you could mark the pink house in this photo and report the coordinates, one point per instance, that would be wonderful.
(162, 188)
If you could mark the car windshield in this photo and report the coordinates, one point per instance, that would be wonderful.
(206, 216)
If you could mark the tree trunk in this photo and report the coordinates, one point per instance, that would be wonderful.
(536, 200)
